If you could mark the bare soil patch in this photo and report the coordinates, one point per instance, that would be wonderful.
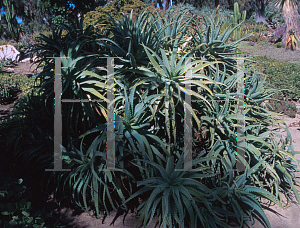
(266, 49)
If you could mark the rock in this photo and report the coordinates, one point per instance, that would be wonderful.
(9, 52)
(9, 69)
(25, 60)
(34, 59)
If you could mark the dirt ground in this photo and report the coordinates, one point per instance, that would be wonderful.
(266, 49)
(290, 216)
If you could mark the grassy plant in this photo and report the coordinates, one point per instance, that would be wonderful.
(13, 26)
(281, 75)
(100, 16)
(256, 30)
(11, 84)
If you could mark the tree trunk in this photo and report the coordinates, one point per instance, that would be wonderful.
(260, 11)
(230, 4)
(160, 5)
(290, 16)
(166, 5)
(198, 5)
(93, 5)
(217, 2)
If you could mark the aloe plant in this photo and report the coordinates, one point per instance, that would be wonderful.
(291, 41)
(173, 26)
(128, 37)
(13, 27)
(209, 43)
(177, 197)
(149, 88)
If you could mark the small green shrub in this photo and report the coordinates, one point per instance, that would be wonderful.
(35, 35)
(16, 209)
(257, 29)
(4, 42)
(113, 8)
(283, 107)
(279, 45)
(61, 15)
(5, 63)
(8, 89)
(11, 84)
(25, 43)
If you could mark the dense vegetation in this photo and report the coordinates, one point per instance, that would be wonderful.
(150, 51)
(277, 72)
(150, 89)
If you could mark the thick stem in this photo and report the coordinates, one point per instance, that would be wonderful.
(260, 11)
(290, 16)
(160, 5)
(166, 5)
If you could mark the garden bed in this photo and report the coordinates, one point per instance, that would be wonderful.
(149, 103)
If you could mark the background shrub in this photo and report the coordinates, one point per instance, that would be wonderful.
(11, 84)
(16, 208)
(272, 14)
(258, 30)
(114, 9)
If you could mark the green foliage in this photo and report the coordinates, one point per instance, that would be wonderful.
(282, 106)
(281, 75)
(35, 35)
(235, 20)
(128, 37)
(177, 195)
(279, 45)
(13, 26)
(5, 62)
(255, 31)
(150, 89)
(223, 14)
(11, 84)
(8, 90)
(61, 15)
(99, 17)
(16, 210)
(33, 15)
(174, 25)
(24, 44)
(1, 26)
(210, 43)
(272, 14)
